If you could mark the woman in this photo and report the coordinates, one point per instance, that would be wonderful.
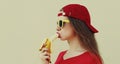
(74, 25)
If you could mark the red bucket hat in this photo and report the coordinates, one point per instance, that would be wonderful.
(79, 12)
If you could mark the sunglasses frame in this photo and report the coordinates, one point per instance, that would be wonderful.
(62, 23)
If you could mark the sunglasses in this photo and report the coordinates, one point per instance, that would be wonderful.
(61, 23)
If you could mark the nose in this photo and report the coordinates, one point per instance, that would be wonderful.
(58, 28)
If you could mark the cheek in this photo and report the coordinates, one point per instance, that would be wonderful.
(67, 33)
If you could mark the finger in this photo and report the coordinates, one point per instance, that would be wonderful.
(44, 57)
(46, 54)
(44, 50)
(47, 58)
(42, 46)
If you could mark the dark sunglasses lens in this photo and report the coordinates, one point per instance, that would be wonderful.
(60, 23)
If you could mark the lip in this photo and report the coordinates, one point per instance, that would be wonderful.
(58, 34)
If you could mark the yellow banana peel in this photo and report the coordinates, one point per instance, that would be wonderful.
(47, 42)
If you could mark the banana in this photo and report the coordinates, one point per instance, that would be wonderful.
(47, 42)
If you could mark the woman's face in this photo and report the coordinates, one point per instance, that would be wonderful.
(66, 32)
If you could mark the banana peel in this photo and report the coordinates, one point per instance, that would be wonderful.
(47, 42)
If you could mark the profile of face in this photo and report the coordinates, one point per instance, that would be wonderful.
(65, 32)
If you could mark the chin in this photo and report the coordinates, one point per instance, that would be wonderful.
(63, 39)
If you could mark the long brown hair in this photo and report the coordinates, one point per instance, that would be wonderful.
(86, 36)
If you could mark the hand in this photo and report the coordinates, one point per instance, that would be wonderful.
(45, 56)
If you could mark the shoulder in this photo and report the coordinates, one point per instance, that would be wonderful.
(62, 52)
(60, 56)
(91, 58)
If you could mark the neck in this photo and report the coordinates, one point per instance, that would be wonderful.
(74, 44)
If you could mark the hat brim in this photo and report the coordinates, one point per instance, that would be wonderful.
(93, 29)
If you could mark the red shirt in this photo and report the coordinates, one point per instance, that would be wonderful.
(85, 58)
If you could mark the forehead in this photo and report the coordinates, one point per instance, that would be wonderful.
(62, 18)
